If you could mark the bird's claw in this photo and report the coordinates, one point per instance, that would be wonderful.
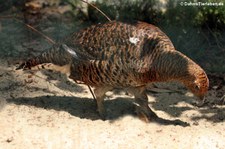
(22, 66)
(102, 113)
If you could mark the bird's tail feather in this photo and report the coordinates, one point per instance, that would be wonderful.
(59, 55)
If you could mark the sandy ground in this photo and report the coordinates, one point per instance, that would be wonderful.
(46, 111)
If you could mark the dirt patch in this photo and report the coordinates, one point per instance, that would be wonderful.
(45, 110)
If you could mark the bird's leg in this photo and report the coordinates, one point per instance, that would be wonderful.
(100, 96)
(142, 108)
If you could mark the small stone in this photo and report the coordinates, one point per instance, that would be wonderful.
(196, 123)
(9, 140)
(215, 87)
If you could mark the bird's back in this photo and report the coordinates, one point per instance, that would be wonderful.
(102, 40)
(116, 53)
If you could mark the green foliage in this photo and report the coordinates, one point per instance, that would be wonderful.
(212, 17)
(196, 16)
(178, 15)
(144, 10)
(155, 12)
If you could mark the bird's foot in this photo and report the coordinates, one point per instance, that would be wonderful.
(151, 116)
(146, 116)
(102, 113)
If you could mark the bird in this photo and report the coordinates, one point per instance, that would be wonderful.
(122, 55)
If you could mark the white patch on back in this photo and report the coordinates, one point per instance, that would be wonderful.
(72, 52)
(133, 40)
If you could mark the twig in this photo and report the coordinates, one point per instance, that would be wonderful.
(88, 88)
(91, 92)
(30, 27)
(97, 9)
(35, 30)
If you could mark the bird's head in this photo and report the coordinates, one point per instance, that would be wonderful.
(197, 82)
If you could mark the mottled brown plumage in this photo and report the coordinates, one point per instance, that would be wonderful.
(123, 55)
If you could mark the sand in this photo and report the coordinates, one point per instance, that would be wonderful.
(45, 110)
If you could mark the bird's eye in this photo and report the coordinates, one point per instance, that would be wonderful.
(197, 87)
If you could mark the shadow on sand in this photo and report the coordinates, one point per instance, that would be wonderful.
(86, 108)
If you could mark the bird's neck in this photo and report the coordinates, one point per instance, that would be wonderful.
(173, 66)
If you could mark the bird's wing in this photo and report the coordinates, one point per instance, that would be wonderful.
(114, 59)
(132, 44)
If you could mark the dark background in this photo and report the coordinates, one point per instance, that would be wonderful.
(197, 31)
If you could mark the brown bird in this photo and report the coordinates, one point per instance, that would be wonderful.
(122, 55)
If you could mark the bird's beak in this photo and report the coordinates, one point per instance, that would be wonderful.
(202, 101)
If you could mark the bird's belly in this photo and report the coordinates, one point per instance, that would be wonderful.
(94, 74)
(116, 81)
